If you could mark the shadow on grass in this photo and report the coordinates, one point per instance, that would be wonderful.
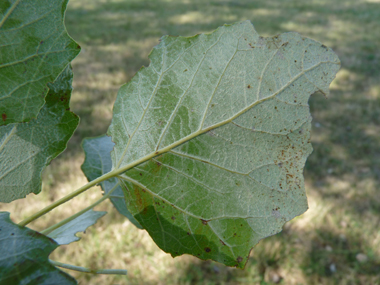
(322, 260)
(326, 258)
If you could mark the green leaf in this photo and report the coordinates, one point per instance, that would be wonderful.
(67, 233)
(98, 162)
(34, 49)
(26, 148)
(214, 135)
(24, 256)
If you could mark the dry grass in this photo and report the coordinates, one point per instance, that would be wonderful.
(323, 246)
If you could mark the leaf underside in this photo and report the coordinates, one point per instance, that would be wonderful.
(67, 233)
(214, 135)
(98, 162)
(27, 148)
(24, 256)
(34, 49)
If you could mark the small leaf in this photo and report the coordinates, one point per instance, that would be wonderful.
(26, 148)
(24, 256)
(34, 49)
(98, 162)
(211, 138)
(67, 233)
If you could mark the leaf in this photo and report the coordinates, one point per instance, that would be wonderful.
(26, 148)
(98, 162)
(214, 135)
(24, 256)
(67, 233)
(34, 49)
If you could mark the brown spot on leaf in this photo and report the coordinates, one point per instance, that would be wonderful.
(207, 249)
(32, 234)
(249, 86)
(239, 259)
(141, 202)
(173, 218)
(4, 117)
(158, 166)
(204, 222)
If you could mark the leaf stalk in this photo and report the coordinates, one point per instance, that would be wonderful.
(67, 198)
(87, 270)
(69, 219)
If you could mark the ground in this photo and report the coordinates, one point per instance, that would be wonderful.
(337, 241)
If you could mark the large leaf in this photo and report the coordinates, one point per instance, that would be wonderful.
(26, 148)
(34, 49)
(24, 256)
(98, 162)
(215, 134)
(67, 233)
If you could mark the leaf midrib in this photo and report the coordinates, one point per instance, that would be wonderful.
(155, 91)
(120, 170)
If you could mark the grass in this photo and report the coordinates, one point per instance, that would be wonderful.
(323, 246)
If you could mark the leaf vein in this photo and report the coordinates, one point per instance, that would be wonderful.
(189, 177)
(184, 94)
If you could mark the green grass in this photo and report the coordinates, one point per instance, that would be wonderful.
(342, 174)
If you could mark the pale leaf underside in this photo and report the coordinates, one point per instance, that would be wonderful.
(67, 233)
(215, 134)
